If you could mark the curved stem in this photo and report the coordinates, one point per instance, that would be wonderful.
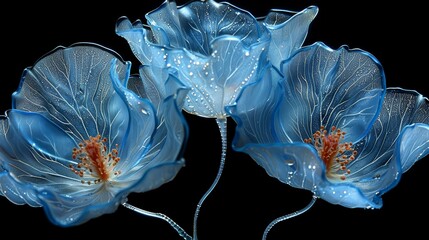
(173, 224)
(222, 124)
(288, 216)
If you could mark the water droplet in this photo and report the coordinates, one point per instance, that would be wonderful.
(289, 162)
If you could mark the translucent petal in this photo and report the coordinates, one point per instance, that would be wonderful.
(70, 87)
(297, 165)
(414, 145)
(79, 207)
(376, 169)
(288, 32)
(255, 108)
(196, 24)
(342, 88)
(36, 150)
(347, 195)
(215, 82)
(323, 87)
(138, 40)
(167, 25)
(168, 96)
(157, 175)
(16, 192)
(157, 84)
(215, 48)
(138, 136)
(35, 154)
(164, 130)
(300, 166)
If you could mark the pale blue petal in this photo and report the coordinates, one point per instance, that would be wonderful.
(31, 171)
(295, 164)
(138, 136)
(17, 192)
(71, 210)
(255, 108)
(400, 108)
(342, 88)
(37, 151)
(161, 130)
(72, 87)
(156, 84)
(317, 80)
(68, 210)
(396, 141)
(377, 168)
(140, 41)
(347, 195)
(196, 24)
(215, 82)
(214, 56)
(157, 175)
(166, 25)
(413, 144)
(171, 134)
(288, 31)
(36, 147)
(35, 154)
(299, 165)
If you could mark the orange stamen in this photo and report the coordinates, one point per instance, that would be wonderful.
(94, 160)
(334, 154)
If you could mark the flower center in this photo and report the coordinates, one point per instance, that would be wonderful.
(334, 153)
(94, 160)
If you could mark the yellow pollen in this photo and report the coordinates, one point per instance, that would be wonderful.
(334, 154)
(94, 160)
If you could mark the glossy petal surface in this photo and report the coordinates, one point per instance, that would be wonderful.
(216, 48)
(288, 32)
(342, 88)
(382, 158)
(77, 141)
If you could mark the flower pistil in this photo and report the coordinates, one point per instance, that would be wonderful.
(334, 153)
(95, 160)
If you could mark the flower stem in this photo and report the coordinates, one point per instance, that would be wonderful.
(288, 216)
(173, 224)
(222, 124)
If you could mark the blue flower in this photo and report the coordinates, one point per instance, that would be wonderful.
(326, 123)
(77, 141)
(216, 48)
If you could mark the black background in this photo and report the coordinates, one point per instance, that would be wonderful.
(246, 199)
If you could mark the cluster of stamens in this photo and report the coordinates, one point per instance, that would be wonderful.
(95, 160)
(335, 155)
